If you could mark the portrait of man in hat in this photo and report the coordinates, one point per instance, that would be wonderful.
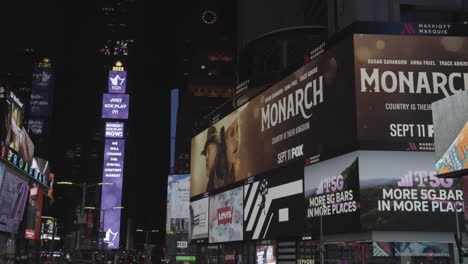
(210, 151)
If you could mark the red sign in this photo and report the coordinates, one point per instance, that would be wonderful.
(229, 257)
(40, 196)
(37, 195)
(225, 215)
(29, 234)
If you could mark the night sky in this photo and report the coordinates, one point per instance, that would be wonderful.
(67, 32)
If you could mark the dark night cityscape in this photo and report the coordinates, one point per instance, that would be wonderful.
(234, 132)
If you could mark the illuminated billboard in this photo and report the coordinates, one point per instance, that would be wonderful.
(199, 219)
(178, 213)
(384, 94)
(115, 106)
(42, 91)
(332, 195)
(114, 130)
(274, 204)
(226, 216)
(14, 194)
(295, 119)
(395, 87)
(400, 191)
(111, 197)
(117, 81)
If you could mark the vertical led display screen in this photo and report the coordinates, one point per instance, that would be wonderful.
(274, 204)
(33, 218)
(226, 216)
(199, 219)
(42, 91)
(178, 213)
(114, 151)
(14, 194)
(395, 87)
(332, 195)
(115, 106)
(117, 81)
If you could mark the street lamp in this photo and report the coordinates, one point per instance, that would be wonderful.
(83, 186)
(147, 233)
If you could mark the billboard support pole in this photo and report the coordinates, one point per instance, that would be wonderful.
(458, 239)
(322, 246)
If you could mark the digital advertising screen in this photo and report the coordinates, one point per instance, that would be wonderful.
(115, 106)
(40, 104)
(274, 204)
(117, 81)
(199, 219)
(42, 91)
(178, 213)
(456, 157)
(43, 78)
(12, 127)
(332, 195)
(14, 194)
(114, 129)
(400, 191)
(280, 125)
(410, 249)
(265, 254)
(34, 213)
(395, 87)
(226, 218)
(111, 196)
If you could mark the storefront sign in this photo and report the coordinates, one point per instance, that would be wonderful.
(34, 213)
(186, 258)
(14, 159)
(182, 244)
(230, 257)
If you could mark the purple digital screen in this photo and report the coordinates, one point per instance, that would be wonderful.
(115, 106)
(117, 81)
(114, 150)
(114, 130)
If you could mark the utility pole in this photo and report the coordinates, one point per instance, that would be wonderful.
(322, 246)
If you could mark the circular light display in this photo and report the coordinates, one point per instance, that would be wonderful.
(209, 17)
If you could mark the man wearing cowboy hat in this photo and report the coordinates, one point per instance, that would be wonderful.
(210, 151)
